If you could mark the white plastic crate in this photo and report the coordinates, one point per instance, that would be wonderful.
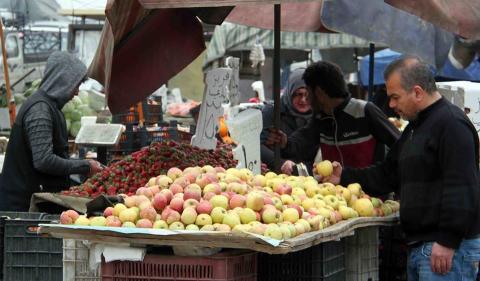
(361, 255)
(76, 257)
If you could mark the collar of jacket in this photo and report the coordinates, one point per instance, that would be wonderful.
(336, 110)
(422, 115)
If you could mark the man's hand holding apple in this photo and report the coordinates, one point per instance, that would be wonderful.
(327, 171)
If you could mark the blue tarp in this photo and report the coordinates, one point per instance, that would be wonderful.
(448, 71)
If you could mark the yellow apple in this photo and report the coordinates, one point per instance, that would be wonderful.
(364, 207)
(324, 168)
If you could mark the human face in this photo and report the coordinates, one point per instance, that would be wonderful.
(403, 102)
(321, 101)
(300, 100)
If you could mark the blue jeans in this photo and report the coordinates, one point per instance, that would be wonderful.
(464, 263)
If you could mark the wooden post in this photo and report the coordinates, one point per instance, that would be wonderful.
(11, 105)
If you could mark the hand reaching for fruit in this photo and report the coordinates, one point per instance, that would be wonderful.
(326, 171)
(287, 167)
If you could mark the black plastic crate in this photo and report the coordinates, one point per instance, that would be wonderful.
(27, 255)
(323, 262)
(152, 114)
(135, 138)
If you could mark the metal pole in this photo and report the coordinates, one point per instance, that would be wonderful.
(276, 79)
(11, 105)
(370, 71)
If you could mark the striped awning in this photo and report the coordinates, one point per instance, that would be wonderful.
(234, 37)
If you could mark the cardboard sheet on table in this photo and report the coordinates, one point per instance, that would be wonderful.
(163, 232)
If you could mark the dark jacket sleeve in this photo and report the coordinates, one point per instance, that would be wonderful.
(382, 129)
(460, 190)
(304, 142)
(378, 179)
(38, 129)
(267, 120)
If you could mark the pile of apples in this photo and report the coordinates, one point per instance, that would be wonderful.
(214, 199)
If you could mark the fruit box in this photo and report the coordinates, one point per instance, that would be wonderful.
(27, 255)
(76, 259)
(232, 265)
(323, 262)
(361, 253)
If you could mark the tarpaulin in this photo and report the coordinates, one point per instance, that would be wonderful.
(461, 17)
(386, 56)
(382, 23)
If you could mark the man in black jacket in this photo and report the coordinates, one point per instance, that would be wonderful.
(434, 167)
(37, 154)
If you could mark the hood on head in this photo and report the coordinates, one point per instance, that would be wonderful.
(295, 82)
(63, 74)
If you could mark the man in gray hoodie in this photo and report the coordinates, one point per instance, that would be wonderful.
(37, 159)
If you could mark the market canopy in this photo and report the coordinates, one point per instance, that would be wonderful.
(234, 37)
(146, 42)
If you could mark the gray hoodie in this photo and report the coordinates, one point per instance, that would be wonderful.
(63, 74)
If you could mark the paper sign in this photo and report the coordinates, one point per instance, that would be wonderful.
(99, 134)
(216, 93)
(245, 130)
(234, 95)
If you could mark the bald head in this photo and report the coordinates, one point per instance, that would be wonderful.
(413, 71)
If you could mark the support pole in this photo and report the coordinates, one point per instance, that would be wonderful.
(371, 68)
(276, 79)
(11, 105)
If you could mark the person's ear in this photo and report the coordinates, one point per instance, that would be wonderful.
(419, 92)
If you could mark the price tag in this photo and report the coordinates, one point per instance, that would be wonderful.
(99, 134)
(245, 130)
(216, 93)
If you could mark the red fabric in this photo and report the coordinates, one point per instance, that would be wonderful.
(141, 49)
(145, 62)
(358, 155)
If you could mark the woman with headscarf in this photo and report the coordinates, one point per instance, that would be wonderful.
(295, 111)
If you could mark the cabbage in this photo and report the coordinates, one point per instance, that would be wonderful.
(86, 111)
(29, 92)
(75, 115)
(76, 101)
(69, 123)
(75, 128)
(36, 83)
(68, 107)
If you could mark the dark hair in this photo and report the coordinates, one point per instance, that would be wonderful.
(328, 77)
(413, 71)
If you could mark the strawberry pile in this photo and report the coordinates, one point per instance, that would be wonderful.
(134, 171)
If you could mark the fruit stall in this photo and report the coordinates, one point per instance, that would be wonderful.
(203, 209)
